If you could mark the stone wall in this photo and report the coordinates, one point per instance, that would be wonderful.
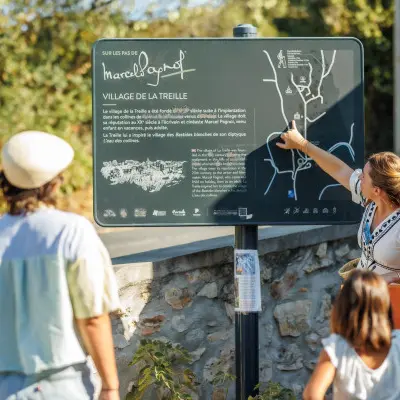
(190, 301)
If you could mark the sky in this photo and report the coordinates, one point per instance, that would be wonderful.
(141, 5)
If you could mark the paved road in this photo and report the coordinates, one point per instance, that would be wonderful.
(154, 244)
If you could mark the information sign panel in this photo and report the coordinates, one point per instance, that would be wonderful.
(185, 130)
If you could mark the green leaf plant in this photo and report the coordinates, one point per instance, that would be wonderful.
(163, 370)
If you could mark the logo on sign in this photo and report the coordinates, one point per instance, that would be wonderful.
(225, 213)
(109, 213)
(123, 213)
(243, 213)
(196, 212)
(143, 68)
(140, 212)
(158, 213)
(179, 213)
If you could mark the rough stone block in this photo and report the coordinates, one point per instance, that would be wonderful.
(210, 290)
(325, 310)
(177, 298)
(221, 335)
(151, 325)
(280, 288)
(290, 358)
(293, 317)
(322, 249)
(342, 251)
(180, 323)
(196, 355)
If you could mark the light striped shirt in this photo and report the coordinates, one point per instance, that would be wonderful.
(53, 267)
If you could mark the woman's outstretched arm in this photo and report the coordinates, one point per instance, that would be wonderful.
(332, 165)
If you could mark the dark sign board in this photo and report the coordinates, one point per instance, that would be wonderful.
(185, 130)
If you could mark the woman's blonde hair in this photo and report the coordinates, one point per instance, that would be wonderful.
(362, 313)
(385, 174)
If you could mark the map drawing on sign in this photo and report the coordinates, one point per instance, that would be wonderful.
(151, 176)
(299, 79)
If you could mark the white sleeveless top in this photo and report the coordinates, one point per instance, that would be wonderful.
(354, 380)
(380, 248)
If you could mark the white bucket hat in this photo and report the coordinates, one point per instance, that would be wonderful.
(32, 158)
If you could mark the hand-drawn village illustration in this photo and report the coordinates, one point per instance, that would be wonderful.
(151, 176)
(299, 79)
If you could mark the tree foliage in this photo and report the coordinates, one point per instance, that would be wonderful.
(45, 73)
(45, 68)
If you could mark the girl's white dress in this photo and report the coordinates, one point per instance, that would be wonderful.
(354, 380)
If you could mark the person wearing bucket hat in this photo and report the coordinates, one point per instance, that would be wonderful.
(377, 188)
(57, 285)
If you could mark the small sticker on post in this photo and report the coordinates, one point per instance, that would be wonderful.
(247, 281)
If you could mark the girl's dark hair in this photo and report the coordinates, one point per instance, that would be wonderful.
(22, 201)
(362, 312)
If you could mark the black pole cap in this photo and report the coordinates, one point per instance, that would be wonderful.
(244, 30)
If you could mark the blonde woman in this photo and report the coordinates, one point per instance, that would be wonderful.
(377, 188)
(57, 285)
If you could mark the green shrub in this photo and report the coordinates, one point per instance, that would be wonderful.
(163, 367)
(274, 391)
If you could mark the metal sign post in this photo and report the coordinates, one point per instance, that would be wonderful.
(246, 324)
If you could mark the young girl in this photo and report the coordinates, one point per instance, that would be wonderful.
(362, 355)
